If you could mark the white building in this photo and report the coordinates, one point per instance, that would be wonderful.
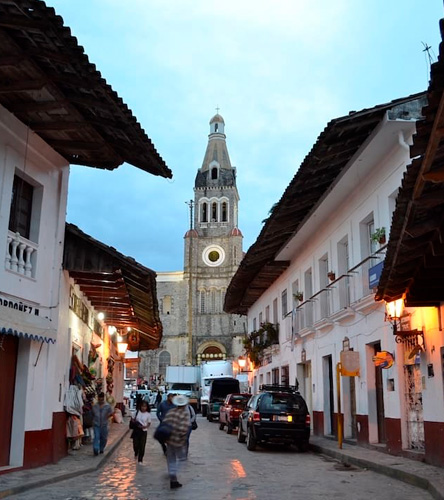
(55, 109)
(313, 271)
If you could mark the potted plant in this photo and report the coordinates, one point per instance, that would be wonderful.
(379, 235)
(298, 296)
(331, 275)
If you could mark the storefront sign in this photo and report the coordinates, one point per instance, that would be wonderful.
(350, 364)
(383, 359)
(19, 306)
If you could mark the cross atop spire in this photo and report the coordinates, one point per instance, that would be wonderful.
(217, 109)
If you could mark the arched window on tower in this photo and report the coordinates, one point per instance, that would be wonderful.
(214, 173)
(224, 211)
(216, 127)
(214, 212)
(213, 301)
(204, 214)
(202, 301)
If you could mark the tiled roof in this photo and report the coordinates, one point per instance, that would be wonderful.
(329, 157)
(48, 82)
(414, 263)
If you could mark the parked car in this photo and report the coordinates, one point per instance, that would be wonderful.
(219, 389)
(277, 414)
(229, 412)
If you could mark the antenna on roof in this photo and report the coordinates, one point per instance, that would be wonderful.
(430, 56)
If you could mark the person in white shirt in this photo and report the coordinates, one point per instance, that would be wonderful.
(143, 421)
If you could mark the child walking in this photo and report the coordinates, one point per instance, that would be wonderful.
(143, 421)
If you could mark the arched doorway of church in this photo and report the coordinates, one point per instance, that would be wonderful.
(211, 351)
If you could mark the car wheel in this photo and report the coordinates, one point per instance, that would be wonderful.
(221, 426)
(303, 446)
(229, 429)
(240, 436)
(251, 441)
(210, 417)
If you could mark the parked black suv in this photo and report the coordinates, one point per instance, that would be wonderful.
(277, 414)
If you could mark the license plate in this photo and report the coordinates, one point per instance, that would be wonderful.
(283, 418)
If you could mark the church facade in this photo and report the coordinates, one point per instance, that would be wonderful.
(195, 327)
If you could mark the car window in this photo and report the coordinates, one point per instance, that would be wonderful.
(239, 400)
(252, 402)
(281, 402)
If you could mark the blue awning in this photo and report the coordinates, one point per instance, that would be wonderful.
(31, 336)
(28, 326)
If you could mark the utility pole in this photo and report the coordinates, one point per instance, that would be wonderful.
(190, 287)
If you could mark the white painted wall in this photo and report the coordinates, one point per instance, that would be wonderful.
(367, 187)
(22, 151)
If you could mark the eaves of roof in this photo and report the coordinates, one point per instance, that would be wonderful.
(413, 266)
(117, 285)
(47, 81)
(330, 156)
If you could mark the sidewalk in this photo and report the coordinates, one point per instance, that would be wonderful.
(413, 472)
(77, 462)
(83, 461)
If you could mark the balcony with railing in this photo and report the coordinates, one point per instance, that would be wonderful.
(21, 255)
(338, 301)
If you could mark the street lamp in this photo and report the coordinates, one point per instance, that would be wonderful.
(242, 363)
(393, 313)
(122, 347)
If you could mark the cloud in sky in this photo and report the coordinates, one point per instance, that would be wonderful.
(279, 70)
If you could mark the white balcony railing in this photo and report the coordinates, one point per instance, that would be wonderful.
(334, 300)
(21, 255)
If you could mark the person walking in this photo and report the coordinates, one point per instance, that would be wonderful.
(193, 426)
(101, 413)
(163, 409)
(158, 398)
(179, 420)
(139, 434)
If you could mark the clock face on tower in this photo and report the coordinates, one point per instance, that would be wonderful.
(213, 255)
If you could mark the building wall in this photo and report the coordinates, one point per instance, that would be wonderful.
(368, 187)
(23, 153)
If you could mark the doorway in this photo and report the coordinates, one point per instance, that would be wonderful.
(8, 365)
(380, 412)
(327, 366)
(414, 408)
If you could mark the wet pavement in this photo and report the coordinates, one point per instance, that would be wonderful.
(220, 468)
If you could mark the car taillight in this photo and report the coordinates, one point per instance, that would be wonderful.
(307, 420)
(256, 416)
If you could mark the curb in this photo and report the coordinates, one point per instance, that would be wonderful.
(68, 475)
(400, 475)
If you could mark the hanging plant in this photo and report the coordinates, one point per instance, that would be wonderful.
(331, 275)
(298, 296)
(256, 342)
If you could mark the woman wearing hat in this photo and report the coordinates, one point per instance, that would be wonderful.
(179, 420)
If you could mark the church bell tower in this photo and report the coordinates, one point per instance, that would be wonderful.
(213, 250)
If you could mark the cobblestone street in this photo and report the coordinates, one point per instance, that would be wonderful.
(219, 468)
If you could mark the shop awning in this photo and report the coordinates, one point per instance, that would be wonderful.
(28, 326)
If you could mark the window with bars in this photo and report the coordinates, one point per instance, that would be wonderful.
(21, 207)
(284, 303)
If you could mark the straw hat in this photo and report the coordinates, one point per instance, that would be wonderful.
(180, 400)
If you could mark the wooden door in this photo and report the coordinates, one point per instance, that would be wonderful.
(8, 364)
